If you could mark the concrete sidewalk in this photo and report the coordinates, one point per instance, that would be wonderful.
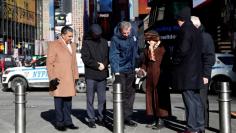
(40, 114)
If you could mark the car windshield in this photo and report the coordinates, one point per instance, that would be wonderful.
(227, 60)
(41, 62)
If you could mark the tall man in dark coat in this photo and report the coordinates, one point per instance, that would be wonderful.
(187, 72)
(122, 56)
(208, 60)
(95, 57)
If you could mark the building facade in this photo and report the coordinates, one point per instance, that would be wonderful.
(17, 26)
(78, 20)
(218, 18)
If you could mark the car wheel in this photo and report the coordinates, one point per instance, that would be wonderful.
(143, 86)
(215, 86)
(20, 80)
(81, 85)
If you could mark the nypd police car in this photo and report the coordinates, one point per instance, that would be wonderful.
(222, 71)
(35, 75)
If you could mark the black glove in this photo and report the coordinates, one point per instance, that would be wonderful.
(54, 83)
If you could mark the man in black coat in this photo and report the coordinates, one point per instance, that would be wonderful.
(187, 72)
(95, 57)
(208, 60)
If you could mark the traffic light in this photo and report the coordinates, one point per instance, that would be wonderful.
(60, 19)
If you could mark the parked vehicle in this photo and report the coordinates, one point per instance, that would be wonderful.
(221, 72)
(35, 75)
(6, 61)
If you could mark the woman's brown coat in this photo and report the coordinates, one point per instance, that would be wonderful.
(62, 64)
(153, 72)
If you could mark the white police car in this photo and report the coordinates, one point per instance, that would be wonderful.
(36, 75)
(222, 71)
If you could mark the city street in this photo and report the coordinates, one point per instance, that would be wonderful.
(40, 114)
(45, 40)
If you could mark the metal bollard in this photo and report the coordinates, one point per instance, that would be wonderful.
(118, 115)
(224, 108)
(20, 115)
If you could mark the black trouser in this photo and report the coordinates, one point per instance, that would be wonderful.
(100, 87)
(63, 107)
(194, 110)
(127, 82)
(205, 102)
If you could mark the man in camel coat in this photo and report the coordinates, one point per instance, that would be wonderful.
(62, 73)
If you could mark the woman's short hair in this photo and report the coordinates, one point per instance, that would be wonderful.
(151, 35)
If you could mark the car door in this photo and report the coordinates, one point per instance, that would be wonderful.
(39, 76)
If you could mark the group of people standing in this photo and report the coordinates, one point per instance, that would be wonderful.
(188, 70)
(193, 58)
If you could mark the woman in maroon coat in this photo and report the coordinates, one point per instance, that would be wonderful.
(150, 66)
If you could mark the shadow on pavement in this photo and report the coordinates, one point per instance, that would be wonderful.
(81, 115)
(49, 116)
(139, 116)
(208, 128)
(171, 122)
(213, 129)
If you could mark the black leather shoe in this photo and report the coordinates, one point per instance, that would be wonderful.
(151, 124)
(91, 124)
(60, 128)
(130, 123)
(101, 123)
(72, 126)
(159, 124)
(157, 127)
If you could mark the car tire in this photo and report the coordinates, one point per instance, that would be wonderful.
(16, 80)
(81, 85)
(215, 86)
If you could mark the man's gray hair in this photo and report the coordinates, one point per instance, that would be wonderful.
(124, 25)
(196, 21)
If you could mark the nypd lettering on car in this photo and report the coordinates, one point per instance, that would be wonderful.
(35, 75)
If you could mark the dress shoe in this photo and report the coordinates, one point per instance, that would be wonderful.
(130, 123)
(72, 126)
(60, 128)
(101, 123)
(151, 124)
(91, 124)
(158, 126)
